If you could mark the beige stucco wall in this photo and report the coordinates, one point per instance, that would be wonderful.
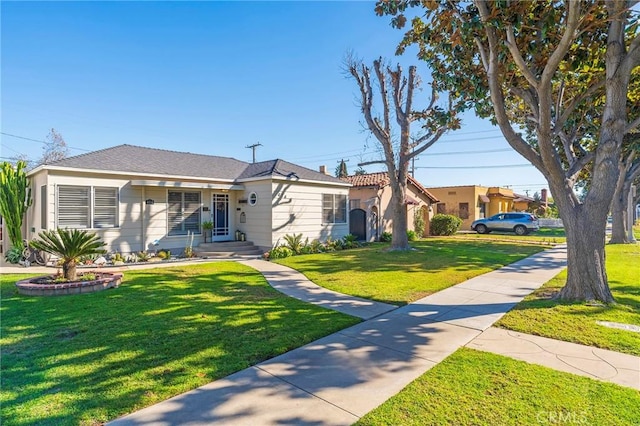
(452, 196)
(371, 197)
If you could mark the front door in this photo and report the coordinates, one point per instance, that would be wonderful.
(358, 224)
(220, 217)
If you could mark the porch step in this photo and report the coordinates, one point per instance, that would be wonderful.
(228, 249)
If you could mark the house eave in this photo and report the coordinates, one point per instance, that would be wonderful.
(178, 184)
(130, 174)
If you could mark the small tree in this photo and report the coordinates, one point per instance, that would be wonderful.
(69, 245)
(396, 95)
(341, 170)
(15, 198)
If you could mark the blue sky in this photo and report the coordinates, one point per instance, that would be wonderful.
(214, 77)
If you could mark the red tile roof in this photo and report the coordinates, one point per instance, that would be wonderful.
(381, 179)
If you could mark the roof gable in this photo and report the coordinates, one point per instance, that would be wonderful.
(381, 179)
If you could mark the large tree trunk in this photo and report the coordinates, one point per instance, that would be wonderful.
(619, 218)
(399, 240)
(586, 271)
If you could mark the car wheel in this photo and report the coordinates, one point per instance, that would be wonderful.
(481, 229)
(520, 230)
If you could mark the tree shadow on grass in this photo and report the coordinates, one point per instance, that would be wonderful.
(156, 328)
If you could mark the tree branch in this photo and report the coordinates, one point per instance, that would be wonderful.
(368, 163)
(518, 59)
(634, 124)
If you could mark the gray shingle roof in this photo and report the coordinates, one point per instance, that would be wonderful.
(284, 169)
(138, 159)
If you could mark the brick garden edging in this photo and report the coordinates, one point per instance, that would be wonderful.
(107, 280)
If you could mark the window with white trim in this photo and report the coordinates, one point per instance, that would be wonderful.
(82, 207)
(183, 212)
(334, 208)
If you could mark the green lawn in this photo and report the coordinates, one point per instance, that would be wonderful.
(576, 322)
(549, 236)
(90, 358)
(478, 388)
(398, 278)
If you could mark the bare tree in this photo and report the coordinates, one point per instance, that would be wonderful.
(54, 149)
(398, 144)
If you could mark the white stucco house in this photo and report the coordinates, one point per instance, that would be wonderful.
(139, 198)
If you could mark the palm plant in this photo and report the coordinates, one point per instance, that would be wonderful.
(69, 245)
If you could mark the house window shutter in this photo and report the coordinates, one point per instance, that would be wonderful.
(183, 212)
(105, 207)
(192, 212)
(73, 207)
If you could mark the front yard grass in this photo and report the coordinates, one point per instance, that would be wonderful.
(549, 236)
(400, 277)
(479, 388)
(90, 358)
(576, 322)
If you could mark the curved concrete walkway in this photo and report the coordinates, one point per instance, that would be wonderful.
(294, 284)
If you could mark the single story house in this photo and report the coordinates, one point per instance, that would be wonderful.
(138, 198)
(370, 213)
(472, 202)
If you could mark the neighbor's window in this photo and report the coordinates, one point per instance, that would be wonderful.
(463, 209)
(87, 207)
(441, 208)
(334, 208)
(183, 212)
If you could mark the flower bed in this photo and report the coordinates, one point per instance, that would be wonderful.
(46, 285)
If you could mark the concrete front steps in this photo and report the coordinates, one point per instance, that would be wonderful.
(225, 249)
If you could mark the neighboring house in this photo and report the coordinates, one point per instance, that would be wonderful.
(369, 211)
(140, 198)
(473, 202)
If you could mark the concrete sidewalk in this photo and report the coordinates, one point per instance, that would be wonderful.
(339, 378)
(595, 363)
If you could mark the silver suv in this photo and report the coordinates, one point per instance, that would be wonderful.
(520, 223)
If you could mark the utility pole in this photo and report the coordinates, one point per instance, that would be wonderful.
(253, 148)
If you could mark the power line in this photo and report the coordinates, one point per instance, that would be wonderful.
(502, 166)
(42, 142)
(487, 151)
(22, 137)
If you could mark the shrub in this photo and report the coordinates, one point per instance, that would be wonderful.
(411, 235)
(143, 256)
(445, 224)
(294, 242)
(316, 246)
(418, 223)
(13, 255)
(280, 252)
(386, 237)
(350, 241)
(164, 254)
